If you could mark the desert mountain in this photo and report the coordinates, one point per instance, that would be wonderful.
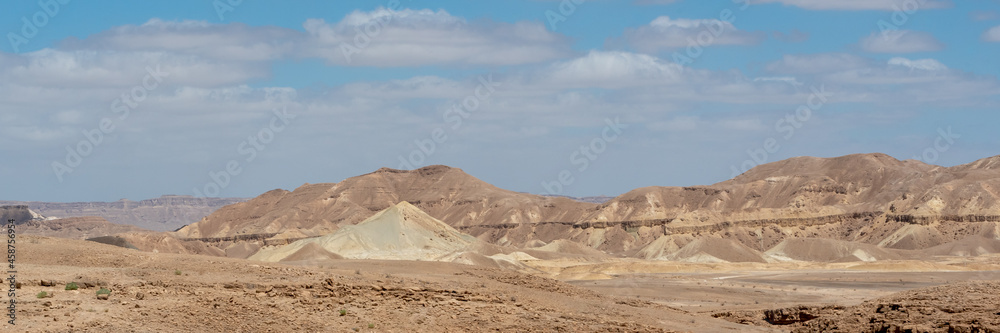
(167, 212)
(447, 194)
(871, 199)
(863, 207)
(812, 187)
(400, 232)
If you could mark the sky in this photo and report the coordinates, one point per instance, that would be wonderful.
(105, 100)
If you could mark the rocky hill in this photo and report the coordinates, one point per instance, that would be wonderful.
(868, 198)
(864, 207)
(446, 193)
(165, 213)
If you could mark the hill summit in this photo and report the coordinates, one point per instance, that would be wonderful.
(448, 194)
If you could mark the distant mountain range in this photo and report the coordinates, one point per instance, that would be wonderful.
(165, 213)
(853, 208)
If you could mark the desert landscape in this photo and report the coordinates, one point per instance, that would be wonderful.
(859, 243)
(500, 166)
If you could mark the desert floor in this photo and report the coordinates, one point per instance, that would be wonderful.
(153, 292)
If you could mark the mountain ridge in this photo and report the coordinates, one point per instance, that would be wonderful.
(867, 198)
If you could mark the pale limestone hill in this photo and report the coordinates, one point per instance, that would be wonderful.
(400, 232)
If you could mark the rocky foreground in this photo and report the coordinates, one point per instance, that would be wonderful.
(962, 307)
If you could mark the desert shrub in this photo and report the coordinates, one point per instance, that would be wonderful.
(72, 286)
(42, 295)
(343, 312)
(104, 291)
(177, 272)
(371, 325)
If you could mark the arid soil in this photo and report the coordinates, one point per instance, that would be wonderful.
(860, 243)
(156, 292)
(220, 294)
(961, 307)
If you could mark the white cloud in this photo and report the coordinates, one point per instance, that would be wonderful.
(992, 35)
(391, 38)
(228, 42)
(123, 69)
(898, 81)
(678, 124)
(665, 33)
(381, 38)
(921, 64)
(817, 63)
(900, 41)
(786, 79)
(886, 5)
(67, 117)
(612, 69)
(742, 124)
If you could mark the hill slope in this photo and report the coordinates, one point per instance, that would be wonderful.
(447, 194)
(400, 232)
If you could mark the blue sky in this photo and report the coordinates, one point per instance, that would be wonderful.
(103, 100)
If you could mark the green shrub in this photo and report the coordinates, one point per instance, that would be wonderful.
(72, 286)
(343, 312)
(371, 325)
(104, 291)
(42, 295)
(177, 272)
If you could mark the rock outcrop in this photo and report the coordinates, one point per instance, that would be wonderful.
(19, 213)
